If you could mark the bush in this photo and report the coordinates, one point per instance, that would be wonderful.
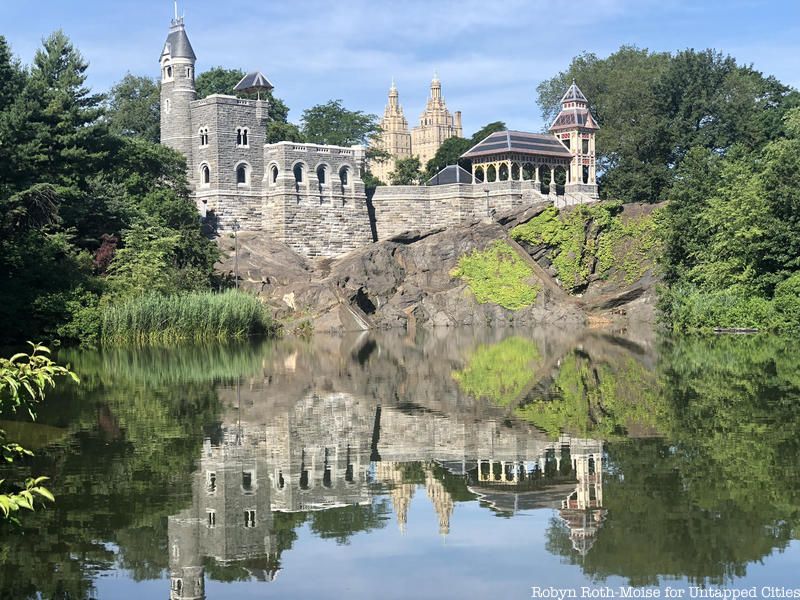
(498, 275)
(787, 302)
(689, 309)
(193, 316)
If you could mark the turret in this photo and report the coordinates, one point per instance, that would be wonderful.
(576, 128)
(177, 88)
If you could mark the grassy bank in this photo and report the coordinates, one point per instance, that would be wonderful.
(195, 316)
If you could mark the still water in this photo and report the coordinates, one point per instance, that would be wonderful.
(455, 464)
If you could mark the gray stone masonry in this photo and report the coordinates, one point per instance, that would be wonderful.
(401, 208)
(314, 198)
(225, 120)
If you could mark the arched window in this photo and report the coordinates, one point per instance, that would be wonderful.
(479, 175)
(167, 106)
(344, 176)
(491, 174)
(503, 172)
(242, 175)
(321, 174)
(239, 137)
(205, 175)
(203, 137)
(244, 137)
(169, 72)
(273, 172)
(298, 173)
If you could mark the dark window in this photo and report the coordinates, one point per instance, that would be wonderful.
(238, 137)
(274, 174)
(244, 137)
(298, 173)
(247, 481)
(211, 482)
(241, 174)
(344, 176)
(206, 175)
(169, 71)
(321, 174)
(249, 518)
(585, 148)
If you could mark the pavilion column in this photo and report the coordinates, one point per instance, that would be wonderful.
(552, 189)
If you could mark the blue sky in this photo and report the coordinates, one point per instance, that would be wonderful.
(490, 55)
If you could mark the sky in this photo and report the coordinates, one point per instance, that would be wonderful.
(490, 56)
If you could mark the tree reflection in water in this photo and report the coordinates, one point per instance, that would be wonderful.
(673, 461)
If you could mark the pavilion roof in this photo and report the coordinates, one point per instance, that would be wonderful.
(518, 142)
(450, 174)
(253, 82)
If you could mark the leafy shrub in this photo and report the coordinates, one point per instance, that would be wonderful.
(497, 275)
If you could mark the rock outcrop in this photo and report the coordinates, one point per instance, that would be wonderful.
(406, 281)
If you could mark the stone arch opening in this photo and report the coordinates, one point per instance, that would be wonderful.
(322, 174)
(273, 174)
(299, 173)
(205, 175)
(344, 176)
(242, 174)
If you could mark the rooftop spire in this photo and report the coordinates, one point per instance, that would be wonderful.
(176, 9)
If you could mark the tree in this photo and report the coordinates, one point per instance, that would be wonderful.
(134, 108)
(486, 131)
(219, 80)
(407, 171)
(332, 123)
(449, 153)
(653, 107)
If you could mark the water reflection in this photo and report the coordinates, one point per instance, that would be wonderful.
(672, 461)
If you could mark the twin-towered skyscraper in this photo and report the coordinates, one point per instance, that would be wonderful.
(436, 124)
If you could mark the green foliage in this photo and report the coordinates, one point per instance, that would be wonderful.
(498, 275)
(594, 241)
(604, 400)
(407, 171)
(133, 108)
(448, 154)
(196, 316)
(73, 177)
(653, 107)
(450, 151)
(499, 372)
(24, 380)
(332, 123)
(731, 234)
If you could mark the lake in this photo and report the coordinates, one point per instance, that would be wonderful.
(448, 464)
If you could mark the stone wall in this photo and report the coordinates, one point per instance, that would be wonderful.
(409, 207)
(225, 199)
(314, 200)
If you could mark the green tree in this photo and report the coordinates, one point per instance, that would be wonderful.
(448, 153)
(332, 123)
(407, 171)
(133, 108)
(219, 80)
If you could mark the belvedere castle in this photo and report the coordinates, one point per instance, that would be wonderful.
(312, 197)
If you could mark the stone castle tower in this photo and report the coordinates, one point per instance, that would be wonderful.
(436, 124)
(395, 138)
(576, 129)
(177, 89)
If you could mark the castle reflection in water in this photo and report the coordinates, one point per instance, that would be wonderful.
(323, 450)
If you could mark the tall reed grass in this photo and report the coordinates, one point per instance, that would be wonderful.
(194, 316)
